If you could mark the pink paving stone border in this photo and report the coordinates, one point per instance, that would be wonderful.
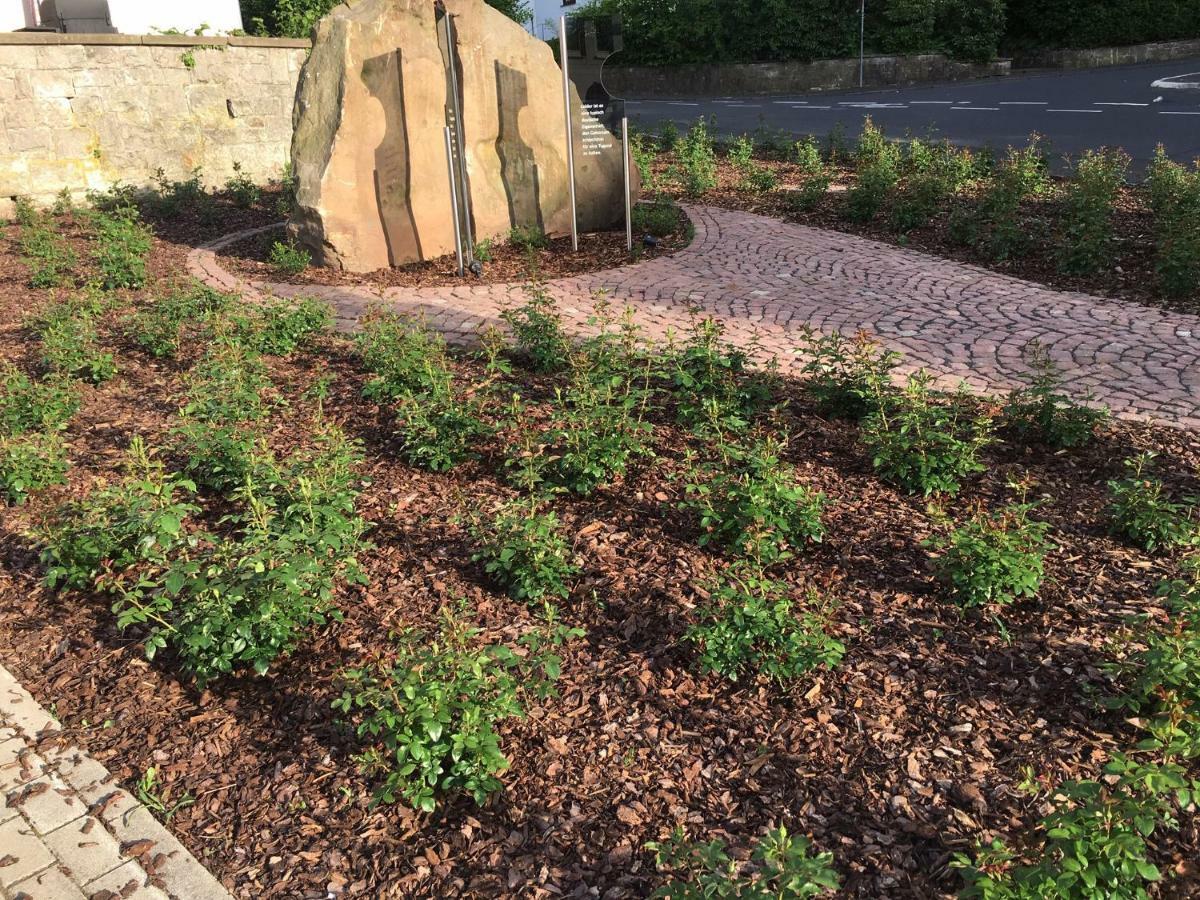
(766, 279)
(69, 831)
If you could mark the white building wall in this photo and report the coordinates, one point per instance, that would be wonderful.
(133, 16)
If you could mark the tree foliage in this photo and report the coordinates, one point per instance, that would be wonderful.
(296, 18)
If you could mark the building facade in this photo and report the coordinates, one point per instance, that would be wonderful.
(121, 16)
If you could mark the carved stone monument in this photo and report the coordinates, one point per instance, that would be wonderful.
(383, 82)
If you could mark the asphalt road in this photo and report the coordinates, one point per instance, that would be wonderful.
(1074, 110)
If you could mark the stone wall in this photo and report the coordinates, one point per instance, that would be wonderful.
(83, 112)
(1163, 51)
(742, 79)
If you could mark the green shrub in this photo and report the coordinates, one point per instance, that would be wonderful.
(878, 174)
(439, 429)
(845, 375)
(431, 713)
(71, 348)
(529, 238)
(659, 218)
(156, 327)
(755, 178)
(171, 198)
(749, 625)
(288, 259)
(537, 329)
(24, 212)
(50, 259)
(697, 160)
(122, 245)
(27, 405)
(1175, 200)
(1095, 840)
(815, 177)
(993, 559)
(280, 327)
(643, 153)
(482, 250)
(1022, 174)
(405, 355)
(922, 444)
(525, 552)
(1142, 512)
(218, 427)
(138, 520)
(749, 500)
(241, 189)
(30, 462)
(668, 135)
(1042, 414)
(782, 866)
(919, 201)
(1091, 198)
(713, 382)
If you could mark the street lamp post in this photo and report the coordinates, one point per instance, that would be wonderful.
(862, 32)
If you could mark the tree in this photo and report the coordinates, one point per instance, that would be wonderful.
(296, 18)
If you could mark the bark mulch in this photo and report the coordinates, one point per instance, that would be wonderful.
(910, 750)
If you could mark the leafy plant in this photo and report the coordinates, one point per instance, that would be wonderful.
(438, 428)
(30, 462)
(537, 328)
(529, 238)
(156, 800)
(1142, 512)
(70, 347)
(1095, 844)
(122, 245)
(1091, 196)
(993, 558)
(24, 212)
(782, 867)
(156, 327)
(712, 380)
(815, 174)
(921, 444)
(27, 405)
(280, 327)
(845, 374)
(1041, 413)
(288, 259)
(878, 174)
(242, 189)
(139, 519)
(997, 227)
(749, 501)
(1175, 200)
(749, 624)
(50, 259)
(659, 218)
(697, 160)
(431, 713)
(172, 197)
(755, 177)
(524, 551)
(405, 355)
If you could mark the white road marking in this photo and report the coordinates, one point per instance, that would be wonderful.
(1092, 111)
(932, 102)
(1166, 112)
(679, 103)
(976, 108)
(1102, 103)
(1024, 103)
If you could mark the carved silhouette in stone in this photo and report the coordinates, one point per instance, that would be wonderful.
(518, 166)
(384, 78)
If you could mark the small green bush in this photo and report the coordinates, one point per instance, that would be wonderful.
(241, 189)
(845, 375)
(71, 347)
(288, 259)
(815, 175)
(782, 866)
(749, 625)
(439, 429)
(24, 212)
(156, 327)
(529, 238)
(997, 228)
(697, 169)
(1091, 198)
(993, 559)
(27, 405)
(668, 135)
(405, 355)
(755, 177)
(30, 462)
(660, 218)
(1095, 840)
(525, 552)
(1142, 512)
(713, 382)
(537, 329)
(431, 713)
(922, 444)
(281, 327)
(50, 259)
(1175, 200)
(1042, 414)
(172, 198)
(139, 519)
(749, 500)
(122, 245)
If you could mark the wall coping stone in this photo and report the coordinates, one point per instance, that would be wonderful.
(56, 39)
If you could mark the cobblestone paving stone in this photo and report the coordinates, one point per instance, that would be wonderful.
(68, 831)
(766, 279)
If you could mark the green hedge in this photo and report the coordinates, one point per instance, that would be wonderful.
(1037, 24)
(296, 18)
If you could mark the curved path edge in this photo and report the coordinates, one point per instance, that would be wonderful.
(766, 279)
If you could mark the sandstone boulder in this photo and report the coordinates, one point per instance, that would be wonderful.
(373, 189)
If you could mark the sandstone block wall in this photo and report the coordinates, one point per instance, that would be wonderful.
(85, 111)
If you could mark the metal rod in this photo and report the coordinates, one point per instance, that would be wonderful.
(459, 140)
(628, 188)
(458, 246)
(562, 53)
(862, 39)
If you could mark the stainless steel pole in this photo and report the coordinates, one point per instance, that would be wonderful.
(862, 39)
(562, 55)
(459, 140)
(458, 245)
(628, 191)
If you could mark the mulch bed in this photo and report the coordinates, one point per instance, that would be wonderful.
(1130, 276)
(910, 750)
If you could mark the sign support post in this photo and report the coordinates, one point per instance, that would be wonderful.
(562, 54)
(628, 193)
(458, 241)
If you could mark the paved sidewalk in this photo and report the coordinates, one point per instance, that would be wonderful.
(765, 279)
(68, 831)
